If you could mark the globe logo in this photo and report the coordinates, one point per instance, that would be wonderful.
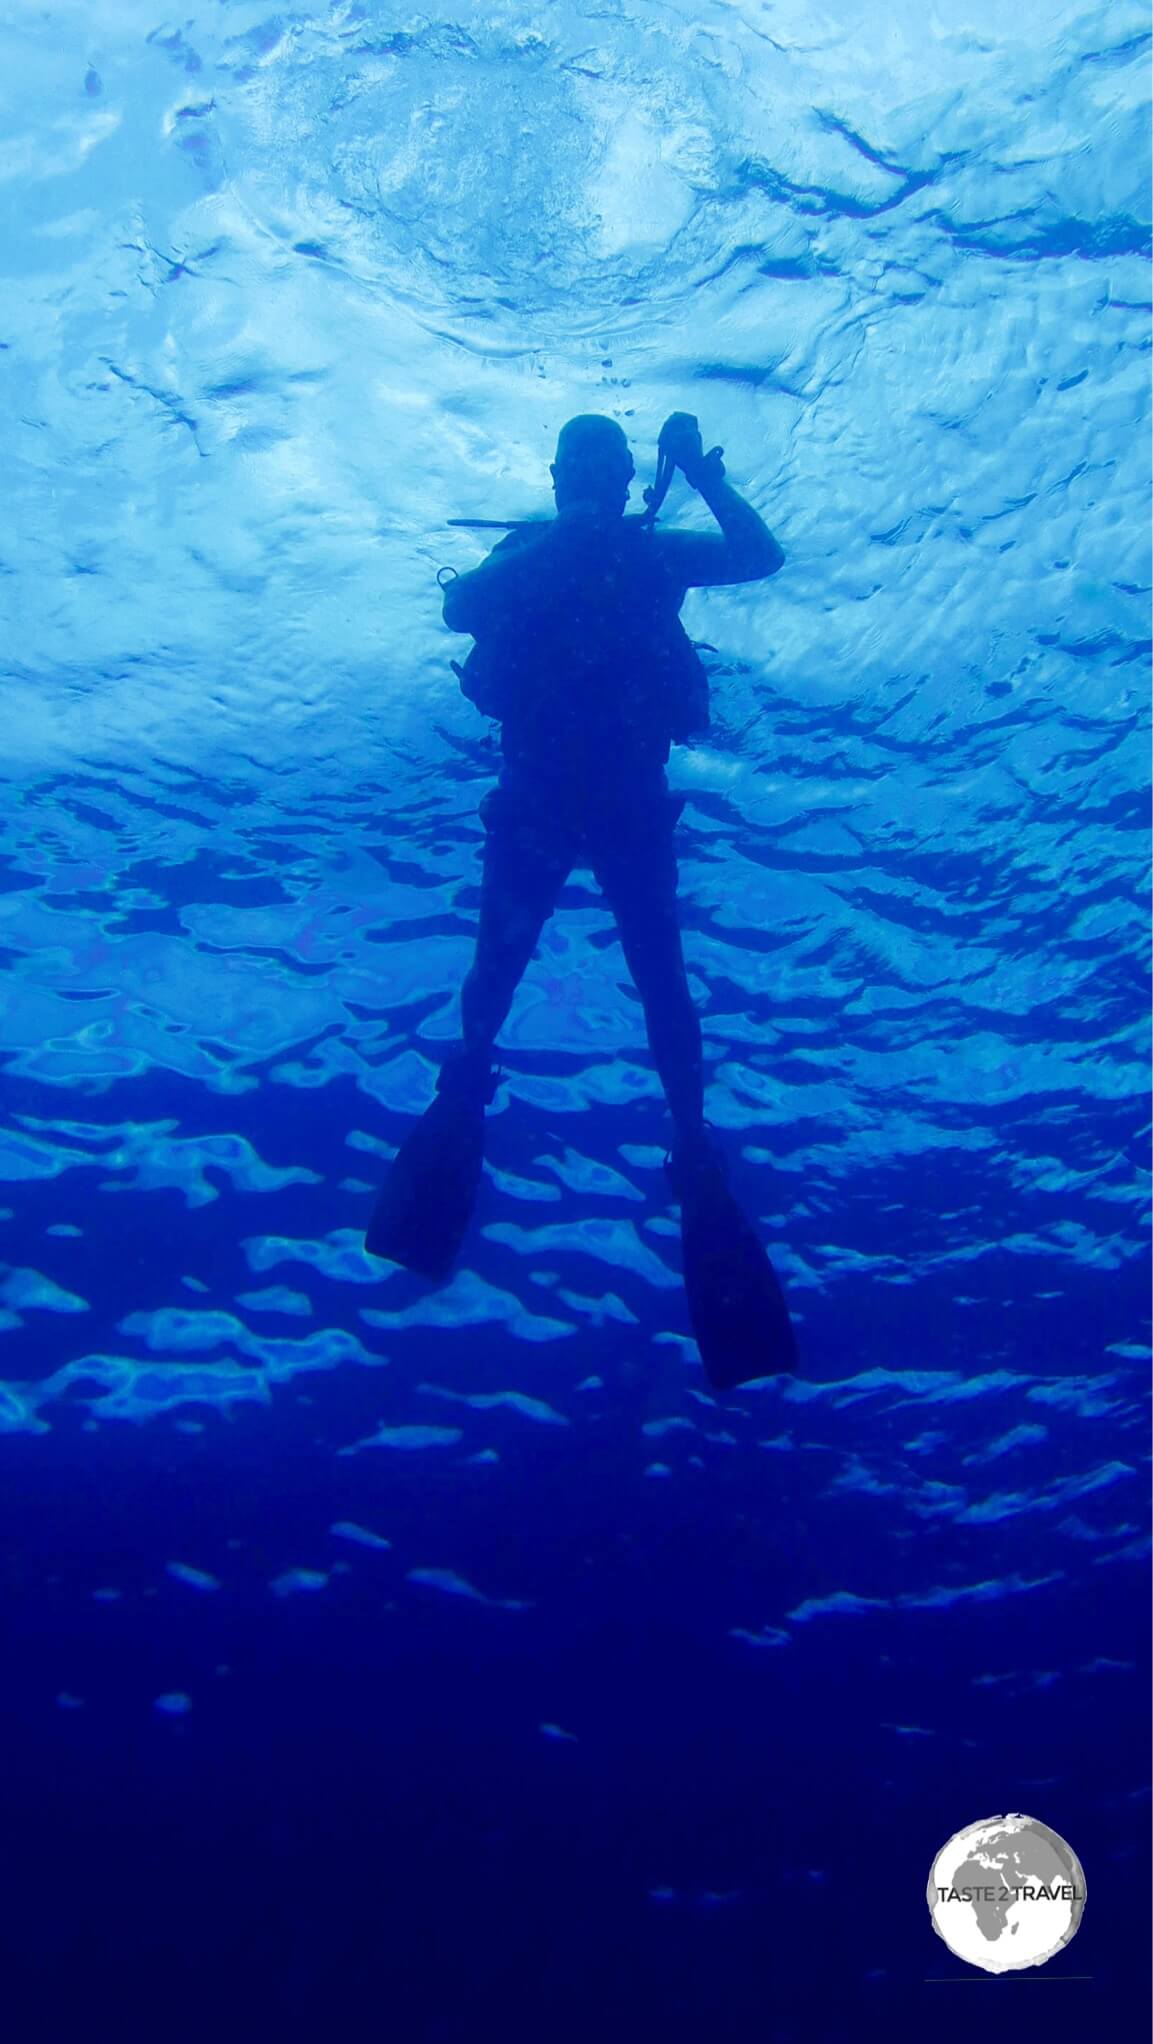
(1005, 1893)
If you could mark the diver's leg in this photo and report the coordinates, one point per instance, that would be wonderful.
(525, 866)
(638, 874)
(423, 1212)
(736, 1306)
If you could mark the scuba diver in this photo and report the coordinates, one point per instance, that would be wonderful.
(580, 654)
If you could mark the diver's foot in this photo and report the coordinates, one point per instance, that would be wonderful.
(695, 1163)
(736, 1306)
(426, 1203)
(469, 1073)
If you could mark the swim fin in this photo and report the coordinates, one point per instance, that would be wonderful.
(424, 1210)
(736, 1304)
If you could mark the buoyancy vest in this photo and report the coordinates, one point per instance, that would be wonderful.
(594, 672)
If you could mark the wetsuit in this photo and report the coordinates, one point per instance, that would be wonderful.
(592, 677)
(581, 657)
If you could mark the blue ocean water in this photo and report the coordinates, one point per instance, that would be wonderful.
(389, 1661)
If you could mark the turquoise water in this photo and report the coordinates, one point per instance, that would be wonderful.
(455, 1655)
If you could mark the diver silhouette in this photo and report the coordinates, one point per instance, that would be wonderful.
(581, 655)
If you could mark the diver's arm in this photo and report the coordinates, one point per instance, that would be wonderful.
(473, 601)
(746, 550)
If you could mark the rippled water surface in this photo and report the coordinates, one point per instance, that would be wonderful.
(451, 1658)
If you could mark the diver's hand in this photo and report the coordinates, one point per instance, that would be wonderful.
(680, 440)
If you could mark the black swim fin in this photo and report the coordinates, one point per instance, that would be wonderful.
(424, 1210)
(736, 1304)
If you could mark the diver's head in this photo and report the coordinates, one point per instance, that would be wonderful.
(593, 468)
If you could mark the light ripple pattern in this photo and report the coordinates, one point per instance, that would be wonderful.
(271, 321)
